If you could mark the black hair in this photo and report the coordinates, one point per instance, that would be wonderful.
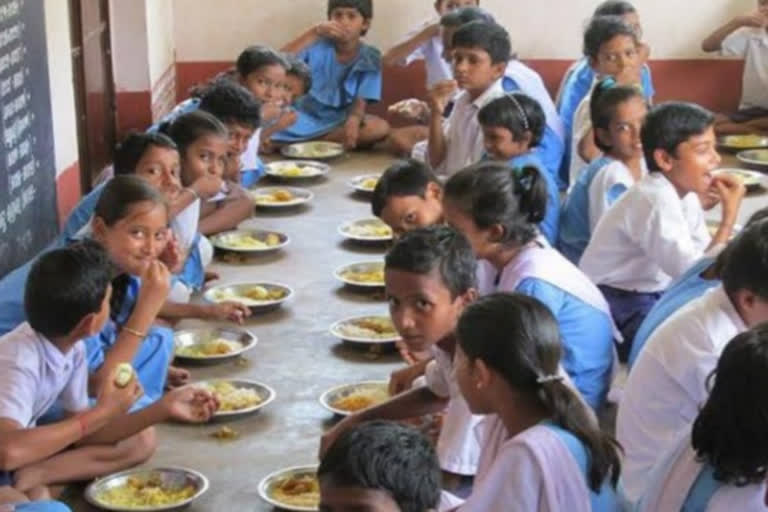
(464, 15)
(490, 37)
(759, 215)
(614, 8)
(518, 337)
(494, 193)
(386, 456)
(746, 261)
(602, 29)
(300, 69)
(403, 178)
(115, 202)
(441, 248)
(364, 7)
(129, 152)
(231, 103)
(64, 286)
(518, 113)
(669, 124)
(606, 97)
(729, 432)
(256, 57)
(190, 127)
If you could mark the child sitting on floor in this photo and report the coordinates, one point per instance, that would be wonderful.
(380, 467)
(745, 37)
(44, 362)
(720, 465)
(408, 196)
(346, 75)
(430, 278)
(618, 113)
(541, 448)
(656, 231)
(667, 384)
(498, 209)
(513, 126)
(298, 80)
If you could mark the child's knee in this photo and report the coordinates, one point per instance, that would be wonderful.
(140, 447)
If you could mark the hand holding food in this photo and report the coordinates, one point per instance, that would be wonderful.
(119, 393)
(190, 404)
(229, 310)
(440, 95)
(155, 284)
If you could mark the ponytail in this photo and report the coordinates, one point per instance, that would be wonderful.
(531, 188)
(518, 337)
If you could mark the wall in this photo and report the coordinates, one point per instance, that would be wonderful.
(63, 105)
(162, 56)
(546, 34)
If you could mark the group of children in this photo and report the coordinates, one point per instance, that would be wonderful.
(517, 305)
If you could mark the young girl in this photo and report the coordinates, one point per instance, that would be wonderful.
(721, 464)
(346, 75)
(617, 118)
(541, 449)
(512, 127)
(498, 210)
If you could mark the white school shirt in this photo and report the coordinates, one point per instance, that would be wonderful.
(431, 52)
(607, 185)
(457, 446)
(249, 160)
(648, 238)
(667, 384)
(34, 373)
(582, 123)
(750, 44)
(464, 137)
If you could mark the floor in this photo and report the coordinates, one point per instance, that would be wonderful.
(295, 354)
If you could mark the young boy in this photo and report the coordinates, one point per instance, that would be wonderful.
(746, 37)
(430, 278)
(480, 53)
(668, 383)
(298, 80)
(346, 74)
(380, 467)
(408, 196)
(43, 362)
(656, 230)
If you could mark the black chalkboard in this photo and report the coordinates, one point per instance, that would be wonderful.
(28, 208)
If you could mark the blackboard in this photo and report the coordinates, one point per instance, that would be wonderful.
(28, 208)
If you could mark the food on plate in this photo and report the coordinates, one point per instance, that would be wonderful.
(374, 327)
(274, 196)
(298, 491)
(744, 141)
(123, 374)
(373, 276)
(215, 347)
(252, 296)
(144, 492)
(230, 397)
(369, 229)
(294, 170)
(248, 241)
(362, 399)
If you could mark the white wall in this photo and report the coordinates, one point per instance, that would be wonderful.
(129, 45)
(62, 87)
(160, 37)
(551, 29)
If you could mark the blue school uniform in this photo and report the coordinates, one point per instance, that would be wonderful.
(551, 147)
(335, 87)
(550, 226)
(574, 218)
(153, 356)
(607, 499)
(587, 335)
(41, 506)
(575, 88)
(685, 289)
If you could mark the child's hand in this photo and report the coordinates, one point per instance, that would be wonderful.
(119, 400)
(351, 132)
(232, 311)
(207, 186)
(287, 119)
(210, 276)
(270, 111)
(332, 30)
(402, 380)
(172, 255)
(440, 94)
(190, 405)
(731, 191)
(709, 199)
(177, 377)
(756, 19)
(155, 284)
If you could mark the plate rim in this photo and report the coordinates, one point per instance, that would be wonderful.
(340, 150)
(333, 329)
(323, 398)
(357, 187)
(758, 177)
(91, 499)
(324, 168)
(215, 238)
(265, 304)
(361, 238)
(338, 270)
(262, 487)
(744, 158)
(253, 408)
(308, 196)
(244, 349)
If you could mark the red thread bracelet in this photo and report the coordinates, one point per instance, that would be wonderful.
(83, 425)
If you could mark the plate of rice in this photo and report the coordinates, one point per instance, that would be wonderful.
(366, 329)
(237, 397)
(295, 488)
(157, 489)
(351, 398)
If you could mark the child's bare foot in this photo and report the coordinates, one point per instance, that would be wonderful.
(177, 377)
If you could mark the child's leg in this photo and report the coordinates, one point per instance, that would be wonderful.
(373, 130)
(87, 462)
(401, 140)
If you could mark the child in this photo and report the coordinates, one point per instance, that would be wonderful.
(380, 467)
(513, 126)
(346, 74)
(298, 80)
(656, 231)
(702, 276)
(667, 385)
(408, 196)
(541, 447)
(498, 209)
(480, 52)
(745, 37)
(617, 114)
(611, 46)
(43, 362)
(430, 278)
(720, 465)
